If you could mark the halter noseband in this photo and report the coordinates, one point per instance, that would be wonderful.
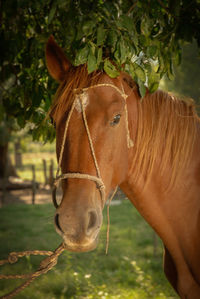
(97, 179)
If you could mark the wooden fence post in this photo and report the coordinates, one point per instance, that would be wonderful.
(33, 185)
(18, 153)
(45, 171)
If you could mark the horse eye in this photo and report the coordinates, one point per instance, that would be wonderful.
(115, 120)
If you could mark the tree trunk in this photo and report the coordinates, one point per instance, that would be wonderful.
(6, 167)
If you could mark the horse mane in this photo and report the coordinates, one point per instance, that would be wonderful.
(166, 133)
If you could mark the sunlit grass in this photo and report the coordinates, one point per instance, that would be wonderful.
(130, 270)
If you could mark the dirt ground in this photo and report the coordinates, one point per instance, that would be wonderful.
(25, 196)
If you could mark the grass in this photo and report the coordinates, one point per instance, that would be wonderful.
(130, 270)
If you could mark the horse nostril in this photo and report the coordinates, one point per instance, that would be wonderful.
(92, 220)
(57, 222)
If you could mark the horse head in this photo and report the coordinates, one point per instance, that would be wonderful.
(94, 139)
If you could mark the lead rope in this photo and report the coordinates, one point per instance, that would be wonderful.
(47, 264)
(108, 219)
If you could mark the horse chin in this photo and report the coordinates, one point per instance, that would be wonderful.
(80, 247)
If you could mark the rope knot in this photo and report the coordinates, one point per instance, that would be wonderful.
(100, 186)
(12, 258)
(125, 96)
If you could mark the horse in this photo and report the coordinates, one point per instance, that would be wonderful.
(108, 136)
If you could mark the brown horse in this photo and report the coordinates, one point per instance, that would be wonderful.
(108, 136)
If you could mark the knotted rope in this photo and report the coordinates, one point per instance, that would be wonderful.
(47, 264)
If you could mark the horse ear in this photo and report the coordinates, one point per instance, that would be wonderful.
(57, 62)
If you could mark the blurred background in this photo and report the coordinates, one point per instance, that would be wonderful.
(133, 266)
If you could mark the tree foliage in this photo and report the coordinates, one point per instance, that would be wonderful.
(140, 37)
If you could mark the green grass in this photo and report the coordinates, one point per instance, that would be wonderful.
(128, 271)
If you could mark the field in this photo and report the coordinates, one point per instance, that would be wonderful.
(130, 270)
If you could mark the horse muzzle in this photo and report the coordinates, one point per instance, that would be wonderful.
(79, 229)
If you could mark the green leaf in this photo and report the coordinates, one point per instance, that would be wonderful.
(170, 72)
(110, 69)
(151, 51)
(99, 56)
(88, 27)
(153, 81)
(153, 87)
(117, 53)
(161, 68)
(92, 62)
(148, 68)
(101, 35)
(122, 51)
(112, 39)
(140, 73)
(142, 88)
(132, 71)
(81, 56)
(92, 47)
(126, 23)
(134, 39)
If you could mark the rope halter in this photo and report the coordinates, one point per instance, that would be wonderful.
(79, 98)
